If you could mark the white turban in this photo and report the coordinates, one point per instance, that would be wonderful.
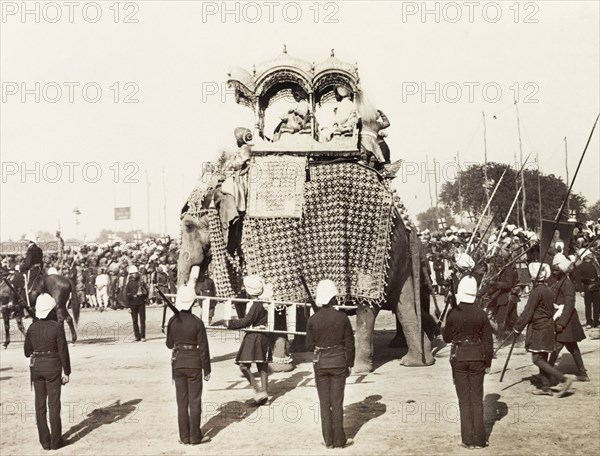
(544, 271)
(254, 285)
(464, 261)
(561, 262)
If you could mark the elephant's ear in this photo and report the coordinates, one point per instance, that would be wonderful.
(185, 208)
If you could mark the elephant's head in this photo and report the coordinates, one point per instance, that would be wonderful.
(195, 245)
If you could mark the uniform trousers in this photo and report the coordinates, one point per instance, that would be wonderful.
(188, 389)
(47, 385)
(330, 387)
(139, 310)
(591, 300)
(468, 381)
(540, 359)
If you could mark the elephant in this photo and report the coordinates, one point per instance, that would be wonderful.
(402, 289)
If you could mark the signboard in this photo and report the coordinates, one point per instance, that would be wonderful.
(122, 213)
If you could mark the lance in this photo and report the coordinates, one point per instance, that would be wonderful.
(425, 273)
(499, 273)
(485, 210)
(312, 302)
(485, 232)
(25, 305)
(556, 222)
(512, 206)
(169, 305)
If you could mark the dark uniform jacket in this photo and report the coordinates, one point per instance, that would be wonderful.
(189, 330)
(48, 336)
(133, 298)
(537, 316)
(329, 334)
(33, 256)
(587, 276)
(564, 291)
(507, 280)
(469, 330)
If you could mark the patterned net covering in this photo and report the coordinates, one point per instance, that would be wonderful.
(343, 235)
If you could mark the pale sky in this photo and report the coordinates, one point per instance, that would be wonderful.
(176, 53)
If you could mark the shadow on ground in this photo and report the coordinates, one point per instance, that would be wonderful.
(99, 417)
(358, 414)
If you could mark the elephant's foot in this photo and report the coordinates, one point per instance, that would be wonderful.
(416, 357)
(281, 367)
(362, 366)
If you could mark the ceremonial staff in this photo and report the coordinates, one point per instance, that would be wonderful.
(169, 305)
(485, 210)
(556, 222)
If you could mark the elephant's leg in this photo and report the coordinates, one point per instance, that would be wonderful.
(419, 346)
(299, 343)
(365, 324)
(399, 341)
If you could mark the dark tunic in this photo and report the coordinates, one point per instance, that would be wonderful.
(537, 316)
(48, 336)
(34, 256)
(467, 322)
(331, 328)
(564, 290)
(189, 330)
(255, 347)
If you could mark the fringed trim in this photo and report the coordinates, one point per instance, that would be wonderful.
(286, 360)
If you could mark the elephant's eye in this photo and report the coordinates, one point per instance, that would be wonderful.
(190, 226)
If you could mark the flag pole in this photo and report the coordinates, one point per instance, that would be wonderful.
(522, 173)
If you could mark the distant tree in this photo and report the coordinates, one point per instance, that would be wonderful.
(429, 218)
(553, 192)
(593, 212)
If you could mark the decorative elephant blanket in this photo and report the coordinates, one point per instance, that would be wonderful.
(343, 235)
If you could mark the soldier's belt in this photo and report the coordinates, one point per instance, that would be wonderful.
(186, 347)
(46, 354)
(467, 342)
(328, 348)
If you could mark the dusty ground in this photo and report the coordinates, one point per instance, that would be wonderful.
(121, 401)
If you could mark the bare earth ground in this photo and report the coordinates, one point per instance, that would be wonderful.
(121, 401)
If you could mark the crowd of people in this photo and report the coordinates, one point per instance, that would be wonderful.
(500, 261)
(100, 271)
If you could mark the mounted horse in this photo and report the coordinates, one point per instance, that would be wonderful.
(297, 208)
(12, 290)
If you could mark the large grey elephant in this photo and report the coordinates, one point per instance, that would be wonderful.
(402, 289)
